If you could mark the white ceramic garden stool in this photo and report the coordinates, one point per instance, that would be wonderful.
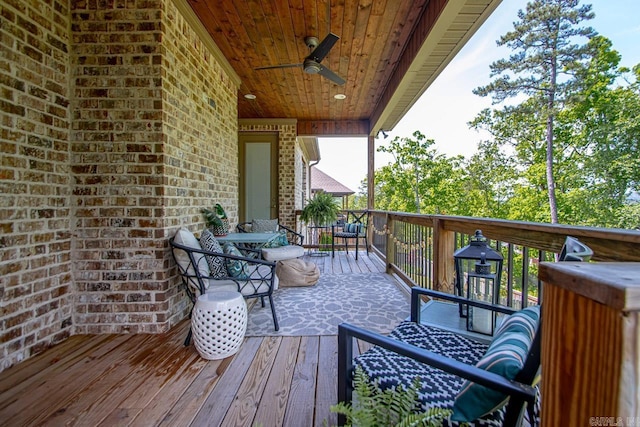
(219, 322)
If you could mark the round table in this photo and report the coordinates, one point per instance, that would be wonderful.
(219, 322)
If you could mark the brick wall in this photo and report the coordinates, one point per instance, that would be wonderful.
(289, 177)
(117, 126)
(35, 241)
(149, 151)
(201, 137)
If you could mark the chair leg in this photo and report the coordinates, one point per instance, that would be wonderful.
(357, 240)
(346, 245)
(333, 247)
(187, 340)
(262, 301)
(273, 313)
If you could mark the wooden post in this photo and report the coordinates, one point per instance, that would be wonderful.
(590, 343)
(390, 244)
(443, 266)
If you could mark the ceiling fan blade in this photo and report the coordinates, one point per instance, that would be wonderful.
(270, 67)
(323, 48)
(325, 72)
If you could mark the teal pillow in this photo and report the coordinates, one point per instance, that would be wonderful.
(236, 268)
(352, 228)
(505, 356)
(276, 241)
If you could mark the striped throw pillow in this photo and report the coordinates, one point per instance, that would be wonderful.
(505, 356)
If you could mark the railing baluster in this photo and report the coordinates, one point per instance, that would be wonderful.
(525, 277)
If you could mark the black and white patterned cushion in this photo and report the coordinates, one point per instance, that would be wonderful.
(437, 388)
(216, 264)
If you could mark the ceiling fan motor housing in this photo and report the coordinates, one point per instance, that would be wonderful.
(311, 67)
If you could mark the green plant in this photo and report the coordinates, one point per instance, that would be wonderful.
(320, 210)
(395, 406)
(216, 219)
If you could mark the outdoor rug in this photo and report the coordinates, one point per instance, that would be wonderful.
(369, 300)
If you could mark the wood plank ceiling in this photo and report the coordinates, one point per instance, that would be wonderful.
(388, 53)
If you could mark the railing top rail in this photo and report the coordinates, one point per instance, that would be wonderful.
(608, 244)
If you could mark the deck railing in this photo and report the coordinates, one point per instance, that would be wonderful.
(419, 249)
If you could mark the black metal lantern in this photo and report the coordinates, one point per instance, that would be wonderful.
(481, 286)
(466, 259)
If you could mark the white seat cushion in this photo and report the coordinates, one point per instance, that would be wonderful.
(282, 253)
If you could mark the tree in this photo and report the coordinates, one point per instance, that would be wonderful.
(420, 179)
(543, 66)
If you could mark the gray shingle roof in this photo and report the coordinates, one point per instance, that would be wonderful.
(320, 181)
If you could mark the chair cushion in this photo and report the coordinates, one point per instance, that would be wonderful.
(437, 388)
(264, 225)
(235, 267)
(282, 253)
(505, 356)
(216, 263)
(186, 238)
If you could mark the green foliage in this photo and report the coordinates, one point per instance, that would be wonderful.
(320, 210)
(566, 151)
(544, 67)
(214, 217)
(392, 407)
(420, 179)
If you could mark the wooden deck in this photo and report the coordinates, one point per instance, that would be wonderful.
(150, 380)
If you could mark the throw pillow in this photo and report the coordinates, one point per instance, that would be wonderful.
(264, 225)
(352, 228)
(216, 263)
(505, 356)
(236, 268)
(276, 241)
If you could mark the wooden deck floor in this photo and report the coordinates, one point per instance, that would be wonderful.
(151, 380)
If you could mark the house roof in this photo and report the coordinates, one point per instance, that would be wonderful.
(320, 181)
(388, 53)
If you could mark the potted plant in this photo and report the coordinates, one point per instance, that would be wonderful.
(321, 210)
(216, 220)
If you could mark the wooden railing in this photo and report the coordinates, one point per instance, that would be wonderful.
(419, 248)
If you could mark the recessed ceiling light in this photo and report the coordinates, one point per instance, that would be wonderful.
(340, 96)
(250, 96)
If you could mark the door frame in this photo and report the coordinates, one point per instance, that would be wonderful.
(243, 139)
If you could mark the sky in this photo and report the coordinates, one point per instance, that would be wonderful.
(443, 111)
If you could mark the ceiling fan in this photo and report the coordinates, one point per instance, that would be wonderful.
(311, 64)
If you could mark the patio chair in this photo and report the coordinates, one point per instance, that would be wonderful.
(481, 382)
(205, 271)
(354, 227)
(456, 371)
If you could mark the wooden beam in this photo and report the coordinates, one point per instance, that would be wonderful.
(333, 128)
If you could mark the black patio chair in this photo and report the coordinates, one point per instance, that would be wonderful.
(353, 228)
(258, 280)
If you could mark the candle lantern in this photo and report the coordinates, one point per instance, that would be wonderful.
(465, 260)
(481, 286)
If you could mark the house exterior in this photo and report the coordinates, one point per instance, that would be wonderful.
(119, 122)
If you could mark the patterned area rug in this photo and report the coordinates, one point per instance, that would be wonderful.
(369, 300)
